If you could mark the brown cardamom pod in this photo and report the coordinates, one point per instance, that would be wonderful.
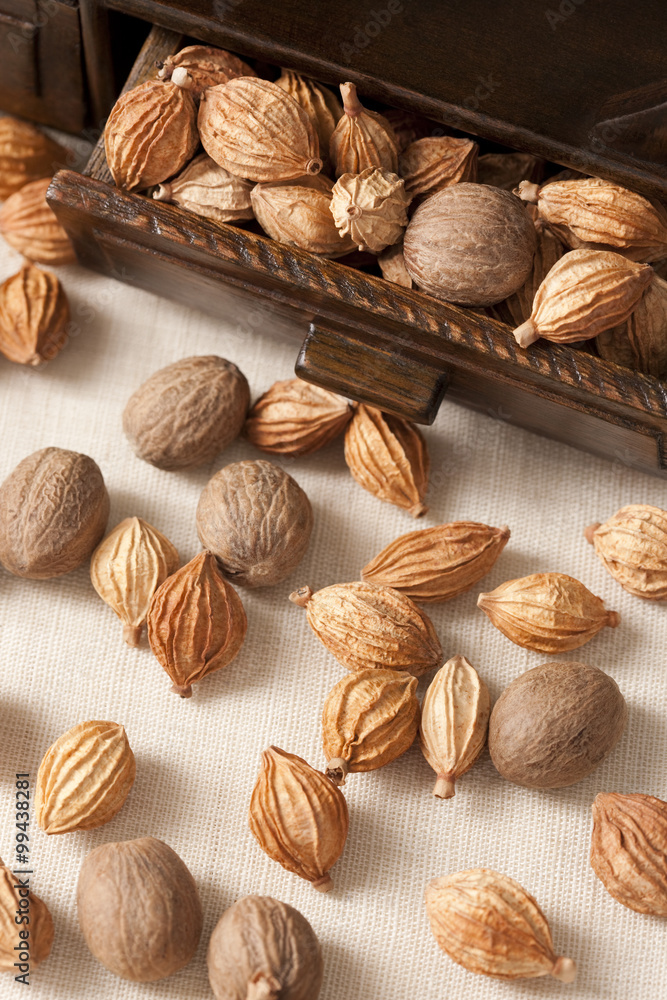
(26, 155)
(14, 948)
(34, 316)
(196, 623)
(300, 217)
(436, 162)
(208, 190)
(29, 226)
(206, 66)
(370, 208)
(322, 106)
(362, 138)
(296, 418)
(633, 548)
(641, 342)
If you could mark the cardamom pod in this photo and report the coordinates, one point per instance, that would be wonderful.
(392, 265)
(196, 623)
(208, 190)
(516, 308)
(362, 138)
(436, 162)
(300, 217)
(34, 316)
(29, 226)
(436, 564)
(388, 456)
(370, 208)
(489, 924)
(298, 817)
(320, 104)
(641, 342)
(84, 778)
(26, 155)
(206, 66)
(455, 719)
(296, 418)
(126, 569)
(408, 127)
(364, 625)
(632, 546)
(629, 850)
(369, 719)
(507, 170)
(547, 612)
(14, 945)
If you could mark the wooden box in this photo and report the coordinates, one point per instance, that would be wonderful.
(365, 337)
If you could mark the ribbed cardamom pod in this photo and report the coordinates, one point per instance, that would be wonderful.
(29, 226)
(26, 155)
(387, 455)
(262, 949)
(516, 308)
(455, 720)
(392, 265)
(206, 66)
(362, 138)
(584, 293)
(298, 817)
(299, 216)
(629, 850)
(196, 623)
(633, 548)
(436, 162)
(319, 103)
(364, 625)
(294, 417)
(84, 778)
(547, 612)
(507, 170)
(436, 564)
(34, 316)
(641, 342)
(370, 208)
(208, 190)
(14, 948)
(126, 569)
(408, 127)
(369, 719)
(489, 924)
(254, 129)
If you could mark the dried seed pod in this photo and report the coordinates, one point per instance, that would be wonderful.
(26, 155)
(388, 457)
(320, 104)
(368, 626)
(196, 623)
(300, 217)
(436, 162)
(209, 190)
(633, 548)
(408, 127)
(53, 511)
(489, 924)
(369, 719)
(555, 724)
(29, 226)
(187, 413)
(263, 949)
(362, 138)
(296, 418)
(516, 308)
(470, 243)
(392, 265)
(629, 850)
(27, 944)
(438, 563)
(455, 719)
(139, 942)
(298, 817)
(206, 66)
(370, 208)
(254, 129)
(641, 342)
(548, 612)
(507, 170)
(257, 520)
(34, 316)
(126, 569)
(150, 134)
(584, 293)
(84, 778)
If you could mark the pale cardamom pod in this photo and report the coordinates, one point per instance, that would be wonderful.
(641, 342)
(370, 208)
(392, 265)
(26, 155)
(516, 308)
(30, 227)
(299, 216)
(294, 417)
(362, 138)
(206, 66)
(34, 316)
(208, 190)
(321, 105)
(436, 162)
(34, 949)
(633, 548)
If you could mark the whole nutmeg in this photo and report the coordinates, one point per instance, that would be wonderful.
(555, 724)
(34, 316)
(139, 909)
(472, 244)
(257, 520)
(54, 508)
(187, 413)
(26, 155)
(14, 948)
(29, 226)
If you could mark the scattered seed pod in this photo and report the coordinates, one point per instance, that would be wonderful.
(126, 569)
(187, 413)
(516, 308)
(455, 719)
(296, 418)
(26, 155)
(196, 623)
(629, 850)
(298, 817)
(436, 564)
(555, 724)
(388, 457)
(392, 265)
(15, 947)
(206, 66)
(34, 316)
(370, 208)
(29, 226)
(507, 170)
(641, 342)
(632, 546)
(362, 139)
(263, 949)
(208, 190)
(84, 778)
(299, 216)
(369, 719)
(144, 942)
(489, 924)
(436, 162)
(257, 520)
(53, 512)
(320, 104)
(254, 129)
(368, 626)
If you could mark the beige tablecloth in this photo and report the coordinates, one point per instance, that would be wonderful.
(63, 662)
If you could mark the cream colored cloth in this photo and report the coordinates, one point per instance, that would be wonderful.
(63, 661)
